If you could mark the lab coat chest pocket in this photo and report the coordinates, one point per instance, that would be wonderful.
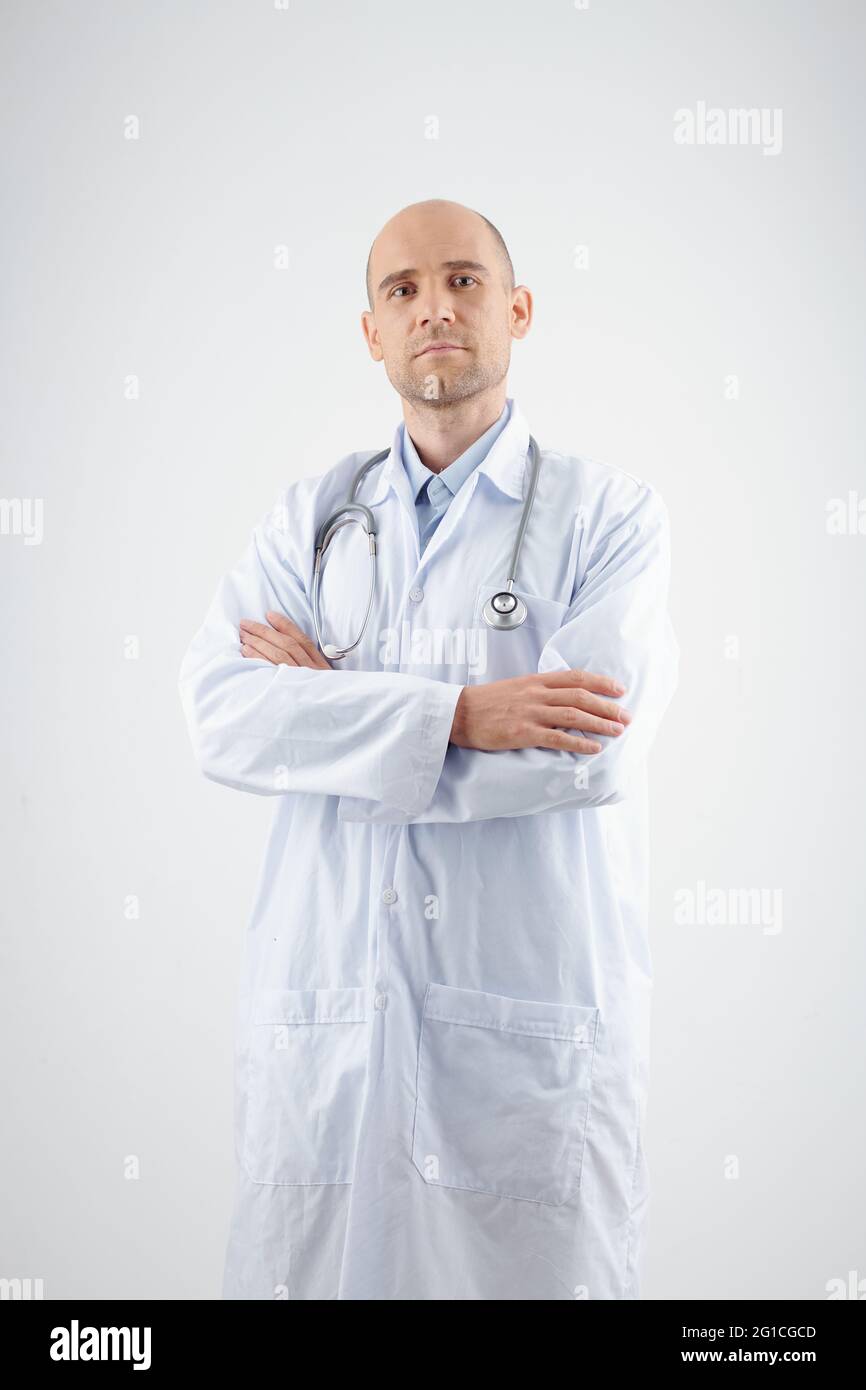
(503, 1093)
(502, 654)
(305, 1081)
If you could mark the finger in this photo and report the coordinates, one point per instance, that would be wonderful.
(257, 646)
(284, 624)
(569, 743)
(563, 717)
(291, 653)
(250, 651)
(251, 630)
(589, 680)
(256, 633)
(585, 700)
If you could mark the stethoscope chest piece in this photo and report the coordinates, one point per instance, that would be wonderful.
(504, 611)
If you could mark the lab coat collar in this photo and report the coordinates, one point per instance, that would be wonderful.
(504, 464)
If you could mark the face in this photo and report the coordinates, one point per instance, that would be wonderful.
(436, 278)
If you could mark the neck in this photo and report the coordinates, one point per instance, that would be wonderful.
(441, 433)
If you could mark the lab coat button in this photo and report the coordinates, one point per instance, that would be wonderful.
(389, 896)
(380, 1001)
(416, 594)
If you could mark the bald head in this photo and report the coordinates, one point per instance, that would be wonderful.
(443, 306)
(432, 210)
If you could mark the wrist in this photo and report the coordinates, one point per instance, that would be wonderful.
(459, 723)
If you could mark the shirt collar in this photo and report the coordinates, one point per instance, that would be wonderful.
(455, 475)
(504, 463)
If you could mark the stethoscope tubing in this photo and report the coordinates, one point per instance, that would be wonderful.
(352, 512)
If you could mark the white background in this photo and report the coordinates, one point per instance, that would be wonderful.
(309, 127)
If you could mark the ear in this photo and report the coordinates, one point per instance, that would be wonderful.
(371, 335)
(521, 312)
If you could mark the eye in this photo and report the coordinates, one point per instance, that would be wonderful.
(395, 293)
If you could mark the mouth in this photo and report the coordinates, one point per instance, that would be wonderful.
(440, 347)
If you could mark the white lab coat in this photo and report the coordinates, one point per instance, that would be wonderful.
(442, 1027)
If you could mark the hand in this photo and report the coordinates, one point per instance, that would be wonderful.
(282, 642)
(535, 712)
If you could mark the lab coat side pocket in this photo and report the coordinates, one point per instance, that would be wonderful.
(503, 1093)
(305, 1083)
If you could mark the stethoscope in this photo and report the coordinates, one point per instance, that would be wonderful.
(503, 611)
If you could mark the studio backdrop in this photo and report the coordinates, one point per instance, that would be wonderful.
(191, 193)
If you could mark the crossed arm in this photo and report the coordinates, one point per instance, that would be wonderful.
(268, 714)
(532, 711)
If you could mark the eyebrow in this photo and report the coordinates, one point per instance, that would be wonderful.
(446, 265)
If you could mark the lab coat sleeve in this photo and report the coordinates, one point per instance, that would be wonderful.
(270, 729)
(617, 625)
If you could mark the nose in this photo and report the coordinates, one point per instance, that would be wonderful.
(432, 309)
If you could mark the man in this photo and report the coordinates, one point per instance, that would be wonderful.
(442, 1031)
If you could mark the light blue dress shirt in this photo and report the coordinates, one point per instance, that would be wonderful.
(434, 492)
